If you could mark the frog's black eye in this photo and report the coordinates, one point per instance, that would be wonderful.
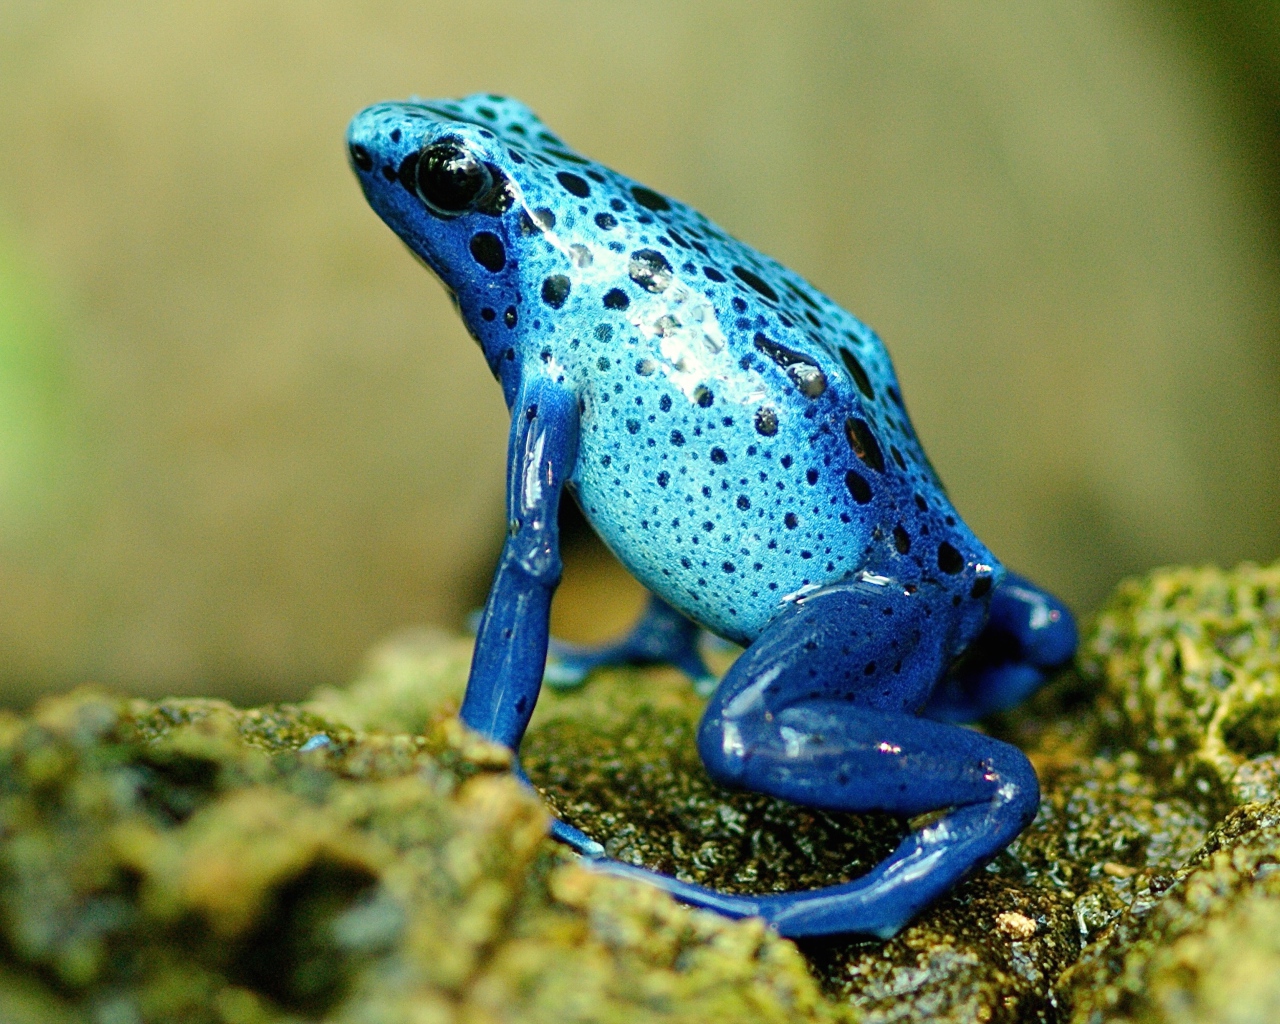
(450, 178)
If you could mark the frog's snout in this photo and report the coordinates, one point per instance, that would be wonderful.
(368, 136)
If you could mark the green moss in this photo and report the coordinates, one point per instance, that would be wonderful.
(186, 861)
(1203, 946)
(1189, 661)
(363, 858)
(1185, 661)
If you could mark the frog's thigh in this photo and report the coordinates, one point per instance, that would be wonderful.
(801, 716)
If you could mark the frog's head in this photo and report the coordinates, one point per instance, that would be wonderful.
(475, 187)
(441, 181)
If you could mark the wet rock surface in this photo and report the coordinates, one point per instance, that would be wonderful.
(363, 858)
(1166, 733)
(990, 951)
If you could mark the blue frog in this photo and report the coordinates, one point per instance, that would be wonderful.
(741, 444)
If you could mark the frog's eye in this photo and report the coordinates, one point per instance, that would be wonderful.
(449, 177)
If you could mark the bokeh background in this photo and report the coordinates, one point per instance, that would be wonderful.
(243, 436)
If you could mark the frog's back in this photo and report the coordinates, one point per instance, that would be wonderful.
(743, 438)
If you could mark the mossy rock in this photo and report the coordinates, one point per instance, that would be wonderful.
(1200, 947)
(1189, 660)
(364, 858)
(186, 861)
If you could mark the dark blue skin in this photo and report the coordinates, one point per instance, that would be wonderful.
(740, 443)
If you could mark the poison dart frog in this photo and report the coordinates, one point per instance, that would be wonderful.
(740, 443)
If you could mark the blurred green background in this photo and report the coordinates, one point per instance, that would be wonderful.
(243, 435)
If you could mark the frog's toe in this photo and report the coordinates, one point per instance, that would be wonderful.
(705, 685)
(564, 673)
(576, 840)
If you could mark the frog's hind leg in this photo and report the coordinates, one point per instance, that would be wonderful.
(821, 711)
(1029, 634)
(662, 637)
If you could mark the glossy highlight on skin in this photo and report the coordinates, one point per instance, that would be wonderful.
(739, 441)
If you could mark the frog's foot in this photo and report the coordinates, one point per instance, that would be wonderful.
(1029, 634)
(662, 637)
(561, 831)
(844, 758)
(576, 840)
(925, 865)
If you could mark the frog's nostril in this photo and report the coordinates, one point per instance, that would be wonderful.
(360, 157)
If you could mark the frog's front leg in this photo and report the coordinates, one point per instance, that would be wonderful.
(822, 710)
(662, 636)
(511, 642)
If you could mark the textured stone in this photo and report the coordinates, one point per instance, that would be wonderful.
(1201, 947)
(186, 861)
(1190, 665)
(364, 858)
